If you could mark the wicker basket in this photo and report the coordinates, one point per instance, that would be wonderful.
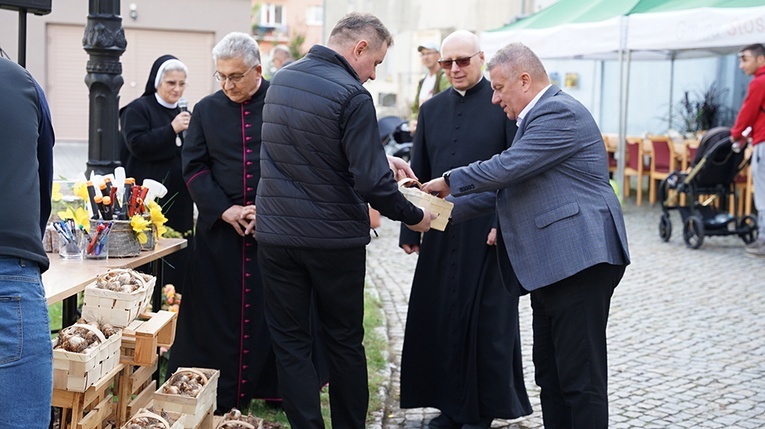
(122, 241)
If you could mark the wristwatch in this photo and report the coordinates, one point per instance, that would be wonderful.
(446, 176)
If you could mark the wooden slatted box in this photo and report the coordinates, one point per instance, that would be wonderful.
(117, 308)
(142, 337)
(78, 371)
(411, 190)
(173, 420)
(199, 408)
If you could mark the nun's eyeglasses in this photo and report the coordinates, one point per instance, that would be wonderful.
(233, 78)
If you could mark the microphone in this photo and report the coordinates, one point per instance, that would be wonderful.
(183, 104)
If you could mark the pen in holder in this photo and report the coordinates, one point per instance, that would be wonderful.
(97, 242)
(70, 239)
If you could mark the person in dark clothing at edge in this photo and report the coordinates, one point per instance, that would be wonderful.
(152, 127)
(462, 348)
(221, 323)
(321, 163)
(26, 172)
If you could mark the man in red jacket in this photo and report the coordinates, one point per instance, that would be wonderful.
(752, 114)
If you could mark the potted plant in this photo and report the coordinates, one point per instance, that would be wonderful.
(701, 111)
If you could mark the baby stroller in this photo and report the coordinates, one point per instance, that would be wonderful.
(713, 173)
(395, 136)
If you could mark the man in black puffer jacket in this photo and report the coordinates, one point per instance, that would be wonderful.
(321, 163)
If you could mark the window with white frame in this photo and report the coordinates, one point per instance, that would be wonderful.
(314, 15)
(272, 15)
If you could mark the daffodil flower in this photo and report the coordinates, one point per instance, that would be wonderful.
(80, 216)
(157, 218)
(80, 190)
(140, 225)
(56, 194)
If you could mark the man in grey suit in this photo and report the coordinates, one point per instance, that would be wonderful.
(561, 227)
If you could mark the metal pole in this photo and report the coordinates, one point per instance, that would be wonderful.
(23, 37)
(104, 40)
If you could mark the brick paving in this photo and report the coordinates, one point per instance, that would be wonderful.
(686, 331)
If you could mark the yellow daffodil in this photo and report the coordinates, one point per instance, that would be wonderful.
(157, 218)
(140, 225)
(56, 194)
(80, 190)
(79, 215)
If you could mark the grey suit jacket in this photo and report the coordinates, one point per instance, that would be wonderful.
(557, 211)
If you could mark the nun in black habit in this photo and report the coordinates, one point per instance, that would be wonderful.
(152, 128)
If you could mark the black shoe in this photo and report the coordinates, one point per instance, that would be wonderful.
(443, 422)
(481, 424)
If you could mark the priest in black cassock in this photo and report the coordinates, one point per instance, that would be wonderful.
(152, 128)
(221, 323)
(461, 349)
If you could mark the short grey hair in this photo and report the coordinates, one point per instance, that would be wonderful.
(236, 45)
(357, 26)
(520, 58)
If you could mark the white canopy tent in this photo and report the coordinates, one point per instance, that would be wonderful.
(643, 30)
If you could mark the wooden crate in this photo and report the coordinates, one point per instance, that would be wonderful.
(199, 409)
(117, 308)
(76, 372)
(89, 409)
(135, 388)
(178, 419)
(142, 337)
(411, 190)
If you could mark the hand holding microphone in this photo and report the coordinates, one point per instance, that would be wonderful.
(181, 121)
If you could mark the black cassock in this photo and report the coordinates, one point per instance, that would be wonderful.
(152, 152)
(462, 350)
(221, 322)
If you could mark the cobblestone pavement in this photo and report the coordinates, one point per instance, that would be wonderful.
(686, 331)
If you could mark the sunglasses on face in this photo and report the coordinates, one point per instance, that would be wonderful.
(461, 62)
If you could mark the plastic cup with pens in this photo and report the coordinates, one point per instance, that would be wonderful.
(97, 241)
(71, 244)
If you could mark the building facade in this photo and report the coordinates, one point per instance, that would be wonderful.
(187, 29)
(286, 22)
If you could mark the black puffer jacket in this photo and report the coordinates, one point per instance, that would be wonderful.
(322, 159)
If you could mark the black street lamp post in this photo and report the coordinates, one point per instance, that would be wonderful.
(104, 40)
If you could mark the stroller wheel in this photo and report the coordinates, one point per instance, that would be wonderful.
(693, 232)
(665, 227)
(747, 229)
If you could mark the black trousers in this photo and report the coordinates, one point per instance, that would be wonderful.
(570, 357)
(335, 281)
